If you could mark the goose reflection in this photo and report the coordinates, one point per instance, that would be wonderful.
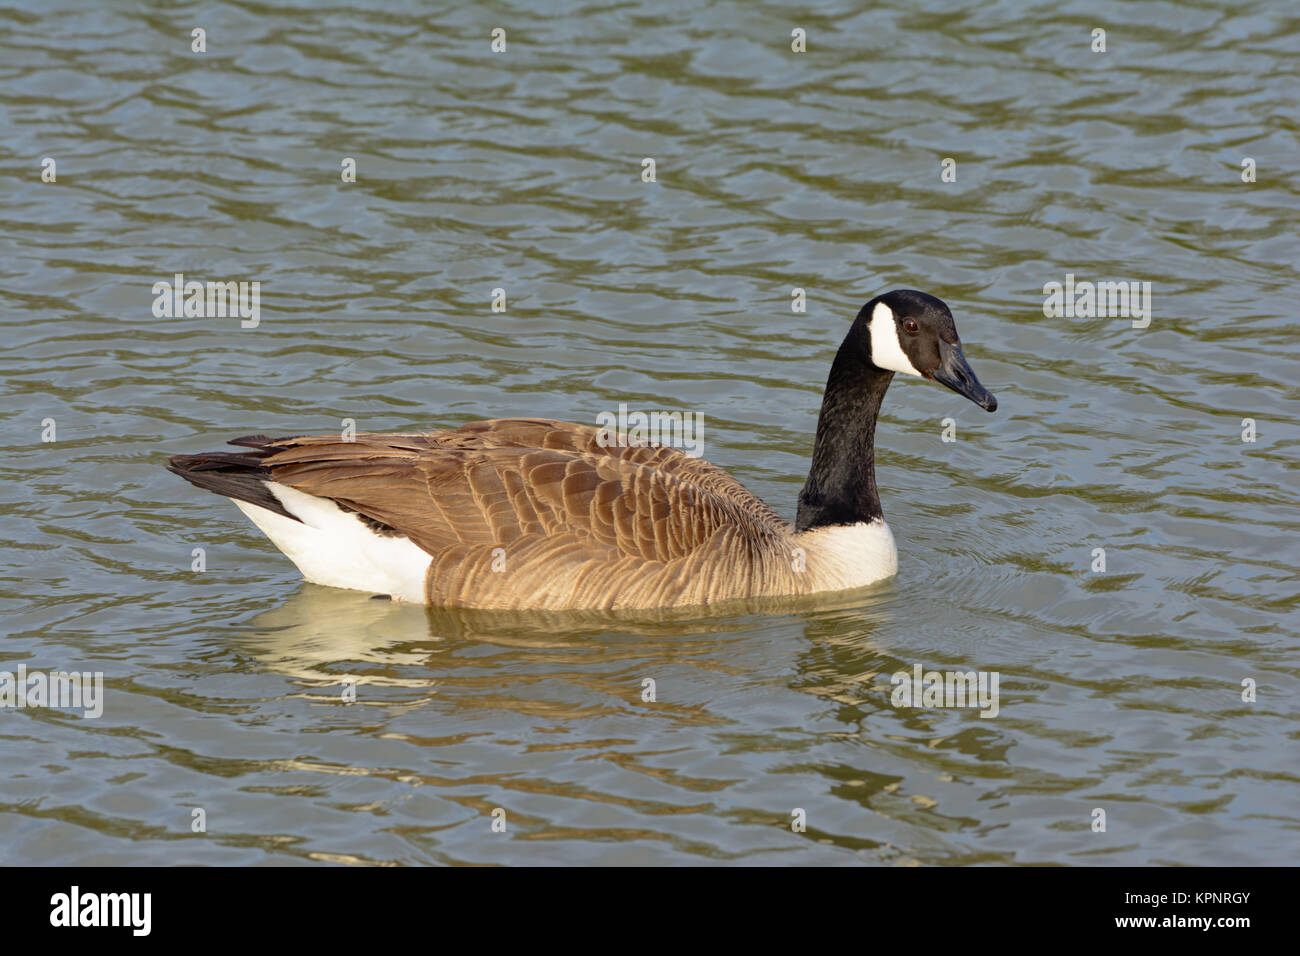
(324, 638)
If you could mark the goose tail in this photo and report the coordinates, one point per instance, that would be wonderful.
(240, 476)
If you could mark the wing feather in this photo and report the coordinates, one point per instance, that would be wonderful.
(573, 512)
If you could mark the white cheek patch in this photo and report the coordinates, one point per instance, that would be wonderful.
(886, 352)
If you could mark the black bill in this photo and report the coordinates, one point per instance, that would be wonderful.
(954, 372)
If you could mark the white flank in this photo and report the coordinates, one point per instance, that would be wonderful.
(886, 352)
(849, 556)
(334, 547)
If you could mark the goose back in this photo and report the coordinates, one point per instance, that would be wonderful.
(540, 513)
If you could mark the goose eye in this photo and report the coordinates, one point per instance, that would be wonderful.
(911, 326)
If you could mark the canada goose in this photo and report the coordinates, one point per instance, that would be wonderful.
(538, 514)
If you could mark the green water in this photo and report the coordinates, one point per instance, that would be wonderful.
(224, 689)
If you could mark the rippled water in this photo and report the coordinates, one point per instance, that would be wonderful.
(1120, 690)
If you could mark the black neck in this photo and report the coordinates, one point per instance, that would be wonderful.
(841, 486)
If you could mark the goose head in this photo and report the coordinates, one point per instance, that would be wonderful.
(912, 333)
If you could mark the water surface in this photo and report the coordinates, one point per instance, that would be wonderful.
(522, 171)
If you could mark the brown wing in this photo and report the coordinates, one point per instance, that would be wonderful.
(543, 499)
